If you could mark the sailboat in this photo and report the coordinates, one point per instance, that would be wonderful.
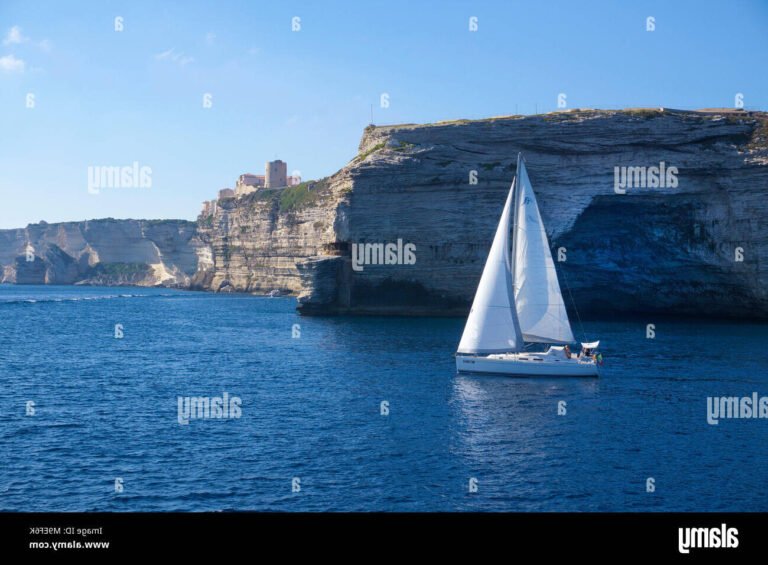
(518, 304)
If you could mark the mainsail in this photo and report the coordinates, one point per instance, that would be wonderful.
(492, 325)
(540, 308)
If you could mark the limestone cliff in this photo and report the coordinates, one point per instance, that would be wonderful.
(699, 247)
(104, 252)
(256, 241)
(656, 249)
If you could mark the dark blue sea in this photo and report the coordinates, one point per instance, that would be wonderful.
(82, 411)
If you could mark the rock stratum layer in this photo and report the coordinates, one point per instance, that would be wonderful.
(698, 248)
(102, 252)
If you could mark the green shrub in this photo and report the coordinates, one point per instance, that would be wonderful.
(119, 268)
(373, 149)
(296, 197)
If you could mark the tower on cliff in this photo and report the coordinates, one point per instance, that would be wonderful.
(276, 174)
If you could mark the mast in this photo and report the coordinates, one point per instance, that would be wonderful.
(512, 253)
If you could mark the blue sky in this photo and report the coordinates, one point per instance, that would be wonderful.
(111, 98)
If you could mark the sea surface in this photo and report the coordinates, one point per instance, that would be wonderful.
(358, 414)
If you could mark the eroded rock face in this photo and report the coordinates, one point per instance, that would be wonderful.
(104, 252)
(672, 250)
(256, 240)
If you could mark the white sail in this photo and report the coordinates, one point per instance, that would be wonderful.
(492, 325)
(540, 308)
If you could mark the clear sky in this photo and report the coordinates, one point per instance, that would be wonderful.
(111, 98)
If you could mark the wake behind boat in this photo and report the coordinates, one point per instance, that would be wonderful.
(518, 301)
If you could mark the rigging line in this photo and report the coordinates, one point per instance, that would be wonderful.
(575, 309)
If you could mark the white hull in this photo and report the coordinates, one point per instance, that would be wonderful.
(526, 365)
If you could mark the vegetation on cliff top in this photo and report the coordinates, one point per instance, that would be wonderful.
(295, 197)
(290, 198)
(555, 116)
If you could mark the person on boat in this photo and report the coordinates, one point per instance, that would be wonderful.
(567, 351)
